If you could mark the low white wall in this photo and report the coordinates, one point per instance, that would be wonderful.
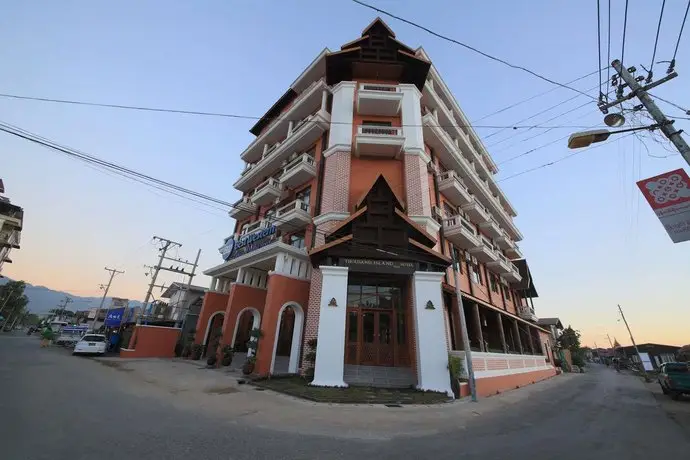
(498, 364)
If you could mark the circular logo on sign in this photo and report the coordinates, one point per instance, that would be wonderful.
(227, 249)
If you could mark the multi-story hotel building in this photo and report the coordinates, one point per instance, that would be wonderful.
(11, 221)
(363, 192)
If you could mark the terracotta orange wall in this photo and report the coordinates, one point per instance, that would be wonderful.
(281, 290)
(152, 342)
(239, 298)
(364, 171)
(490, 386)
(213, 302)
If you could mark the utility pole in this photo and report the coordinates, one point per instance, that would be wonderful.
(187, 302)
(463, 329)
(666, 125)
(632, 339)
(166, 245)
(610, 343)
(66, 301)
(106, 288)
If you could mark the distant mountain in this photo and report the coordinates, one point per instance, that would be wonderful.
(43, 299)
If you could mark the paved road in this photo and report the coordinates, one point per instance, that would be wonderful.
(54, 406)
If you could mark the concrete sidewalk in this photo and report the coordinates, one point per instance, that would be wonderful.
(189, 385)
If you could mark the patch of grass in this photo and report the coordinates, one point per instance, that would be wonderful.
(297, 386)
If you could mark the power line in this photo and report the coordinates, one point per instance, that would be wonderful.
(680, 34)
(656, 41)
(536, 96)
(608, 54)
(471, 48)
(237, 116)
(551, 163)
(599, 47)
(687, 111)
(625, 28)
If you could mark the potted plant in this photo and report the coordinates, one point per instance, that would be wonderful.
(211, 360)
(455, 371)
(228, 353)
(249, 364)
(197, 349)
(310, 359)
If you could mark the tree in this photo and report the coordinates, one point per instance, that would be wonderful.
(13, 302)
(570, 340)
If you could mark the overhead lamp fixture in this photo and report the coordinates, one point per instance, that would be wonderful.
(614, 120)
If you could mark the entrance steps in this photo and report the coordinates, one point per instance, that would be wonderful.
(380, 376)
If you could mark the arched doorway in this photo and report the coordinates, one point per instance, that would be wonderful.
(247, 319)
(214, 331)
(288, 338)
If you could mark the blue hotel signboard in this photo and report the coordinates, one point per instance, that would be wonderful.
(234, 248)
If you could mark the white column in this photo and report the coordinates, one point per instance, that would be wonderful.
(290, 125)
(432, 350)
(330, 348)
(340, 137)
(324, 99)
(214, 284)
(412, 119)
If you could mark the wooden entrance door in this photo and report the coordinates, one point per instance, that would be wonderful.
(375, 343)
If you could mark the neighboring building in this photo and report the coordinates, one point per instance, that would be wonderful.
(183, 299)
(554, 326)
(658, 354)
(364, 182)
(11, 221)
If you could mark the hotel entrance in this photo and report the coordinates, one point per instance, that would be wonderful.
(377, 322)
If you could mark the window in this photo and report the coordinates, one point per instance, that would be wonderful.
(457, 258)
(476, 274)
(270, 214)
(297, 240)
(494, 283)
(304, 195)
(449, 210)
(506, 294)
(376, 123)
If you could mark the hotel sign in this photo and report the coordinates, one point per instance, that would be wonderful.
(669, 196)
(378, 266)
(245, 244)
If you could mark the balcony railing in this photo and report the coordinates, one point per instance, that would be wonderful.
(305, 158)
(379, 87)
(293, 205)
(383, 131)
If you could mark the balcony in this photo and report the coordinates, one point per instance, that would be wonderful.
(379, 141)
(510, 247)
(298, 171)
(484, 251)
(293, 216)
(378, 99)
(11, 215)
(501, 266)
(460, 232)
(491, 227)
(453, 188)
(242, 209)
(9, 239)
(477, 211)
(303, 135)
(513, 276)
(267, 192)
(527, 313)
(305, 104)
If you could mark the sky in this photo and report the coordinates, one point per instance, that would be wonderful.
(591, 240)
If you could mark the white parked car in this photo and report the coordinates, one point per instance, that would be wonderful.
(91, 344)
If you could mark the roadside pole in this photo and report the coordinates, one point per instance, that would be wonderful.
(187, 303)
(632, 339)
(463, 329)
(113, 272)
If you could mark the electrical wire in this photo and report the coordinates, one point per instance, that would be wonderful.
(625, 28)
(599, 48)
(551, 163)
(531, 98)
(238, 116)
(687, 111)
(656, 42)
(680, 34)
(471, 48)
(608, 55)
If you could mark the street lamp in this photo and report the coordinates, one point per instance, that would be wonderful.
(587, 138)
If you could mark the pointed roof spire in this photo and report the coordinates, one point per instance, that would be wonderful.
(378, 22)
